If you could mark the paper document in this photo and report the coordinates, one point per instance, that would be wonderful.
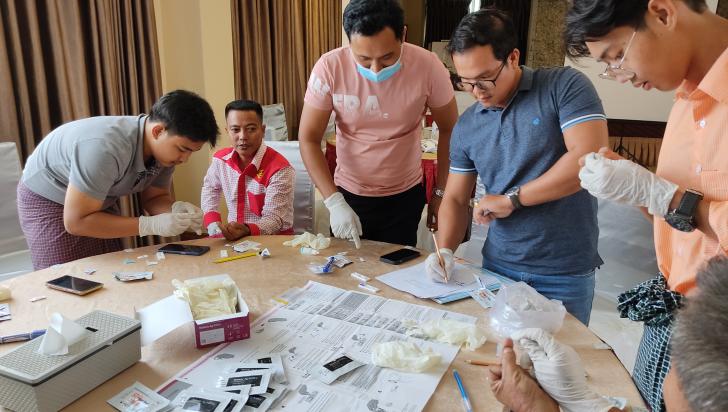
(415, 281)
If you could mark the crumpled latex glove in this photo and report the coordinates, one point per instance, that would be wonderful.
(208, 298)
(194, 211)
(405, 356)
(213, 229)
(307, 239)
(626, 182)
(448, 331)
(166, 224)
(433, 268)
(559, 372)
(344, 221)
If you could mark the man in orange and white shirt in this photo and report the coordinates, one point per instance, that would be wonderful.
(664, 44)
(257, 181)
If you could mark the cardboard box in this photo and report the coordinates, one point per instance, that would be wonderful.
(30, 381)
(167, 314)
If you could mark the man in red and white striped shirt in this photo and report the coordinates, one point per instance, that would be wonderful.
(257, 181)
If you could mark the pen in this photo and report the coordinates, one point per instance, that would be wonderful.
(22, 336)
(466, 401)
(244, 255)
(439, 256)
(482, 363)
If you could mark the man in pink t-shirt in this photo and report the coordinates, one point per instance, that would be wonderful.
(379, 87)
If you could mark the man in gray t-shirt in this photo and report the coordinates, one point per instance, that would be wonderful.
(524, 138)
(68, 195)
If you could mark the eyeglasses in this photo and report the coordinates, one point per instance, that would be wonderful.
(484, 85)
(616, 72)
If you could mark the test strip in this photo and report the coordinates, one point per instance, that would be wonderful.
(368, 287)
(359, 276)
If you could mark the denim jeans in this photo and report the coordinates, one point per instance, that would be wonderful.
(575, 291)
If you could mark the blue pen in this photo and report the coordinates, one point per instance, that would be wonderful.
(466, 400)
(22, 336)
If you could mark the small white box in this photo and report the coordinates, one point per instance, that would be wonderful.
(30, 381)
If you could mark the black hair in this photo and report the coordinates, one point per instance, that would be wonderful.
(484, 27)
(588, 20)
(186, 114)
(369, 17)
(245, 105)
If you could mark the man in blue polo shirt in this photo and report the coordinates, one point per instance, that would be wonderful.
(523, 137)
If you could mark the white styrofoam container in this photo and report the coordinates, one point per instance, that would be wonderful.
(30, 381)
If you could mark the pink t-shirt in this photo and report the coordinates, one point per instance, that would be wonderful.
(378, 125)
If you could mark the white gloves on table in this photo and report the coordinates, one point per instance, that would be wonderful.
(166, 224)
(434, 269)
(345, 223)
(213, 229)
(626, 182)
(559, 372)
(196, 212)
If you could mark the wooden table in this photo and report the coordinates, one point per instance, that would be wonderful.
(259, 280)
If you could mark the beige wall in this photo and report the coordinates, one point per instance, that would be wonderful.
(195, 48)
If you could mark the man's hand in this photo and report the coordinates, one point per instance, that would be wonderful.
(432, 208)
(234, 230)
(626, 182)
(514, 387)
(433, 268)
(491, 207)
(559, 372)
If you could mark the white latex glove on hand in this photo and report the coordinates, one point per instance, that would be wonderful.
(435, 270)
(345, 223)
(187, 207)
(559, 372)
(213, 229)
(166, 224)
(626, 182)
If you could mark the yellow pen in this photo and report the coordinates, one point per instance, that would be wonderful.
(244, 255)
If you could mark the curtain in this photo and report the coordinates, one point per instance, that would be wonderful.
(62, 60)
(275, 45)
(442, 18)
(520, 12)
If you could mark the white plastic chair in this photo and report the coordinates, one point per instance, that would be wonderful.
(304, 193)
(14, 255)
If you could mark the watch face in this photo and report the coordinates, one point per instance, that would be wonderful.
(681, 223)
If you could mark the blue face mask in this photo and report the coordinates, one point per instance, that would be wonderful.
(381, 75)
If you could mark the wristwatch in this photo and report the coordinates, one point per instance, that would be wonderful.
(683, 217)
(513, 194)
(439, 192)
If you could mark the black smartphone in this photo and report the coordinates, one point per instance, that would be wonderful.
(74, 285)
(400, 256)
(177, 249)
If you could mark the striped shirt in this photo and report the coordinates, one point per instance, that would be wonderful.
(260, 195)
(694, 155)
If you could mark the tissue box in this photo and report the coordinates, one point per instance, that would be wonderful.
(167, 314)
(30, 381)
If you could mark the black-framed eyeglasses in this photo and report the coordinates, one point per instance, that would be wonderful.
(482, 84)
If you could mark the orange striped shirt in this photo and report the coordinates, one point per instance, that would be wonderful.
(694, 155)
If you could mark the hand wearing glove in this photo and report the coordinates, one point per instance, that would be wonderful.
(196, 212)
(166, 224)
(626, 182)
(435, 270)
(213, 229)
(345, 223)
(559, 372)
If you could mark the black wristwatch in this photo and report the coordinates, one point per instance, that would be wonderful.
(513, 194)
(683, 218)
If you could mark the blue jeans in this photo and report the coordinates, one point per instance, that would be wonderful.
(575, 291)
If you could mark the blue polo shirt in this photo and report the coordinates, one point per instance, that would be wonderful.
(513, 146)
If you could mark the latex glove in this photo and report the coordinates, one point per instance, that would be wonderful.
(435, 270)
(345, 223)
(213, 229)
(559, 372)
(187, 207)
(166, 224)
(626, 182)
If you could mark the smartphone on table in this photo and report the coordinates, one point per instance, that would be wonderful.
(74, 285)
(400, 256)
(179, 249)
